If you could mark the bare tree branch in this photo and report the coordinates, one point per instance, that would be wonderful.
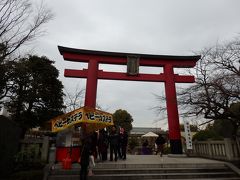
(217, 85)
(74, 101)
(20, 23)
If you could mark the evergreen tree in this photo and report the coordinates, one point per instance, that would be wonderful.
(36, 95)
(122, 118)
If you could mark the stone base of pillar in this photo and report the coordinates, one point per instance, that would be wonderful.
(176, 146)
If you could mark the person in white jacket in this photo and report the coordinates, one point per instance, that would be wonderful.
(91, 165)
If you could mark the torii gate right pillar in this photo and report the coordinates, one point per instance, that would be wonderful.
(172, 111)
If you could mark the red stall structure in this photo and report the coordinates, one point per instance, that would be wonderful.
(68, 144)
(68, 127)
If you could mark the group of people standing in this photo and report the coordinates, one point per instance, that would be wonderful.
(118, 143)
(97, 144)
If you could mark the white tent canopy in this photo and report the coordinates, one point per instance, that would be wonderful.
(150, 134)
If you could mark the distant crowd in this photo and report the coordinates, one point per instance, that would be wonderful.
(95, 146)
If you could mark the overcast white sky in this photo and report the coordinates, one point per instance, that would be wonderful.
(173, 27)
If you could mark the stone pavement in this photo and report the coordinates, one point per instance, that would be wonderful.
(165, 159)
(151, 167)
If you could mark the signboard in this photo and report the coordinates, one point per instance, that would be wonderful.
(93, 119)
(133, 65)
(188, 135)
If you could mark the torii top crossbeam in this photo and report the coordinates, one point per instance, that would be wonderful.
(94, 58)
(83, 55)
(103, 57)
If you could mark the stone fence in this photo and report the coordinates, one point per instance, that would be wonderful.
(221, 150)
(34, 149)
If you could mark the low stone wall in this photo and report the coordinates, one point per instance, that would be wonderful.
(36, 148)
(221, 150)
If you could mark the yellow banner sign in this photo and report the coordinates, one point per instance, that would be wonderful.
(93, 118)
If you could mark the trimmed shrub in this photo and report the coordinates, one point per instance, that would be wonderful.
(204, 135)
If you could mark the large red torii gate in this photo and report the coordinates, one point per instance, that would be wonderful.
(94, 58)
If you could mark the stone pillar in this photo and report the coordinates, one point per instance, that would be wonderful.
(68, 141)
(52, 154)
(45, 146)
(210, 153)
(228, 148)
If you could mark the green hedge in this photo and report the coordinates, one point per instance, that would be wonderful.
(27, 175)
(205, 135)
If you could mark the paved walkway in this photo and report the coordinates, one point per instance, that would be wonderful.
(154, 161)
(165, 159)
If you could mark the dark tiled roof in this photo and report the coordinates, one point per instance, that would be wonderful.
(121, 54)
(143, 130)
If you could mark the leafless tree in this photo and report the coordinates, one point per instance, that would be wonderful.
(20, 22)
(217, 83)
(74, 101)
(217, 87)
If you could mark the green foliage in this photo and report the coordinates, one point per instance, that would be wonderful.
(3, 79)
(27, 166)
(221, 128)
(27, 155)
(205, 135)
(224, 128)
(5, 70)
(235, 118)
(27, 175)
(133, 142)
(235, 109)
(20, 22)
(167, 150)
(193, 128)
(9, 143)
(36, 95)
(122, 118)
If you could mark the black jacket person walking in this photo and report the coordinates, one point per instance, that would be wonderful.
(160, 141)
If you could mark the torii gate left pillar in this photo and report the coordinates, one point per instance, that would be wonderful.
(94, 58)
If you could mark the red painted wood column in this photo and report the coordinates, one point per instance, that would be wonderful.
(172, 110)
(91, 87)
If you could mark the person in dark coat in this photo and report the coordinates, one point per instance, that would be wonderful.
(113, 141)
(94, 144)
(85, 154)
(145, 147)
(123, 138)
(160, 141)
(103, 144)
